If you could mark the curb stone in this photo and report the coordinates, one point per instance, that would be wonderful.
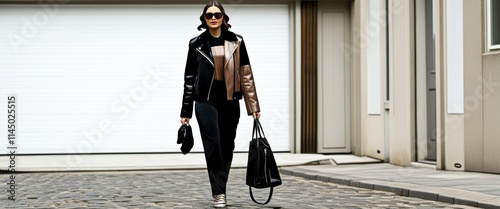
(440, 194)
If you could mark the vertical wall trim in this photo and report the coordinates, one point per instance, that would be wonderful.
(309, 81)
(439, 27)
(387, 50)
(402, 67)
(387, 124)
(476, 96)
(356, 86)
(298, 76)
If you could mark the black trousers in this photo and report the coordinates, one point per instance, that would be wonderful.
(218, 119)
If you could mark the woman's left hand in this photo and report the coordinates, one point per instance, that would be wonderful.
(256, 115)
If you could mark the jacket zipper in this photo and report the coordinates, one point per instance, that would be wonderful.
(213, 74)
(232, 53)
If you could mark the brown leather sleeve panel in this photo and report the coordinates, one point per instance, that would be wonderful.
(249, 91)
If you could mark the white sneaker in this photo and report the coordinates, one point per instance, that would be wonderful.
(220, 201)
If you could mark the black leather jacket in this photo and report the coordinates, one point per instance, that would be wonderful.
(199, 72)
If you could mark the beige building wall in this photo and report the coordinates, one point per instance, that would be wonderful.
(454, 146)
(481, 93)
(402, 77)
(453, 141)
(356, 84)
(473, 117)
(491, 99)
(373, 125)
(440, 85)
(467, 141)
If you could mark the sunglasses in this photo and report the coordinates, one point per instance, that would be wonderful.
(209, 16)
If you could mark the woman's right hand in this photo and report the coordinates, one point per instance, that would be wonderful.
(185, 121)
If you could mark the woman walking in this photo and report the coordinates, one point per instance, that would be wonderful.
(216, 77)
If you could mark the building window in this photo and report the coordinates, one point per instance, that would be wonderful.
(493, 24)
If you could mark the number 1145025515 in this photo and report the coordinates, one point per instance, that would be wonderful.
(11, 125)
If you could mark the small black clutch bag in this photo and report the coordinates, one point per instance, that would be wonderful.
(185, 137)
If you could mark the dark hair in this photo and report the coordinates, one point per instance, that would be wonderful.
(225, 25)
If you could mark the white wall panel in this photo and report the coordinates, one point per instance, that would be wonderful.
(455, 59)
(373, 78)
(123, 65)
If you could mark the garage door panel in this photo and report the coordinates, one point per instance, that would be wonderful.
(123, 65)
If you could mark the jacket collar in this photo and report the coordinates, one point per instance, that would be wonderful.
(226, 35)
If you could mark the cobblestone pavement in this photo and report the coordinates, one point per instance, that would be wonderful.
(187, 189)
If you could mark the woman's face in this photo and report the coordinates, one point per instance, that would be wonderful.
(213, 17)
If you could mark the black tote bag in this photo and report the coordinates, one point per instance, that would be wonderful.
(262, 171)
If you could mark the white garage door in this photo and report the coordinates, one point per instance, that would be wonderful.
(108, 78)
